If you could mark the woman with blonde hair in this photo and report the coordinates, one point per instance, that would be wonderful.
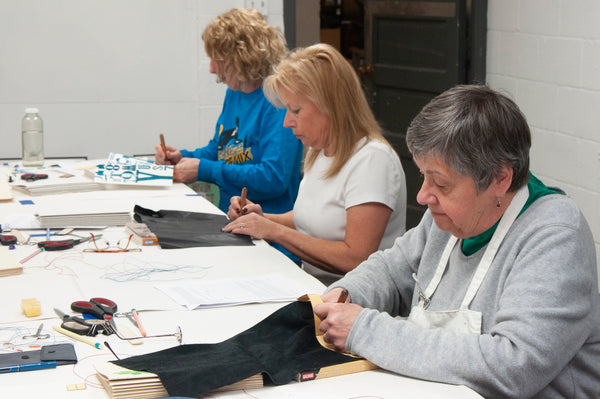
(352, 198)
(250, 147)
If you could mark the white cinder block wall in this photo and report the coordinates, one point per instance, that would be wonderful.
(110, 76)
(546, 55)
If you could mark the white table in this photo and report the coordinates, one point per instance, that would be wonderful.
(58, 278)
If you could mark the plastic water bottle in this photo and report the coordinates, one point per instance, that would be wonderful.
(32, 138)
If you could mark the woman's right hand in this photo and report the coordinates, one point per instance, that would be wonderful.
(172, 157)
(236, 210)
(334, 295)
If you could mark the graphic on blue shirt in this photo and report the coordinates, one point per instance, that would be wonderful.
(231, 134)
(231, 149)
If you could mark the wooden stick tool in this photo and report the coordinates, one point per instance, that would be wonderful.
(243, 197)
(163, 146)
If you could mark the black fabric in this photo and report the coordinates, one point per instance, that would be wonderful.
(60, 353)
(280, 346)
(182, 229)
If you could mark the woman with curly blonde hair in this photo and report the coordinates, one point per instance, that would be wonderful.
(251, 148)
(241, 43)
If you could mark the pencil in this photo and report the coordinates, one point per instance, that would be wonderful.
(139, 322)
(77, 337)
(343, 296)
(243, 197)
(163, 146)
(25, 259)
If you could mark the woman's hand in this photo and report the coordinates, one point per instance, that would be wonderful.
(186, 170)
(254, 225)
(334, 295)
(172, 157)
(336, 321)
(235, 210)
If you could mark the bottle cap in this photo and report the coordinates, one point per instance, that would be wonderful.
(31, 110)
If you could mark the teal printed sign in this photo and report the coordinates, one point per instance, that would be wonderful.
(124, 169)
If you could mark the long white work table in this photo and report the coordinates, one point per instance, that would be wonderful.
(58, 278)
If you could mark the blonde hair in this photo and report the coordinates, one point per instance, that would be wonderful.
(240, 41)
(323, 76)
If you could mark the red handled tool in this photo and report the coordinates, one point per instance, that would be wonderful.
(33, 176)
(61, 245)
(6, 239)
(98, 307)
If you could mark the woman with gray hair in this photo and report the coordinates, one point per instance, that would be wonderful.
(497, 287)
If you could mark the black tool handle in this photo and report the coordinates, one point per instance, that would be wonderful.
(89, 308)
(56, 245)
(108, 306)
(6, 239)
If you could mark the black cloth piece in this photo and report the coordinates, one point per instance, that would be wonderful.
(280, 347)
(182, 229)
(60, 353)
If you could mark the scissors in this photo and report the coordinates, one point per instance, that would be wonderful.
(8, 239)
(82, 326)
(60, 245)
(38, 334)
(97, 307)
(101, 308)
(33, 176)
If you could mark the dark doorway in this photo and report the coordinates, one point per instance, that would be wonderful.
(406, 53)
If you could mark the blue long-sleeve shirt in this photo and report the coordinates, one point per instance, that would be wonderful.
(252, 149)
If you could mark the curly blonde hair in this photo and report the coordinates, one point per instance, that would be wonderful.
(241, 41)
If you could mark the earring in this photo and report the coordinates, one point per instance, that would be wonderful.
(498, 204)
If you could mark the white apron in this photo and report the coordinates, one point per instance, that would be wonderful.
(464, 320)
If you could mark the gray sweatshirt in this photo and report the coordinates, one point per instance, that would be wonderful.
(539, 300)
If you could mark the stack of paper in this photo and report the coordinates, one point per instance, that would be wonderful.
(78, 219)
(89, 214)
(46, 188)
(120, 382)
(59, 181)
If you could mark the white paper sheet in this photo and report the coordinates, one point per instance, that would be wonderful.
(226, 292)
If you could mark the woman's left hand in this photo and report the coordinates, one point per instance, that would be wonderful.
(186, 170)
(336, 321)
(235, 210)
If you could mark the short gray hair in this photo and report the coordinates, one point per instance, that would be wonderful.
(476, 131)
